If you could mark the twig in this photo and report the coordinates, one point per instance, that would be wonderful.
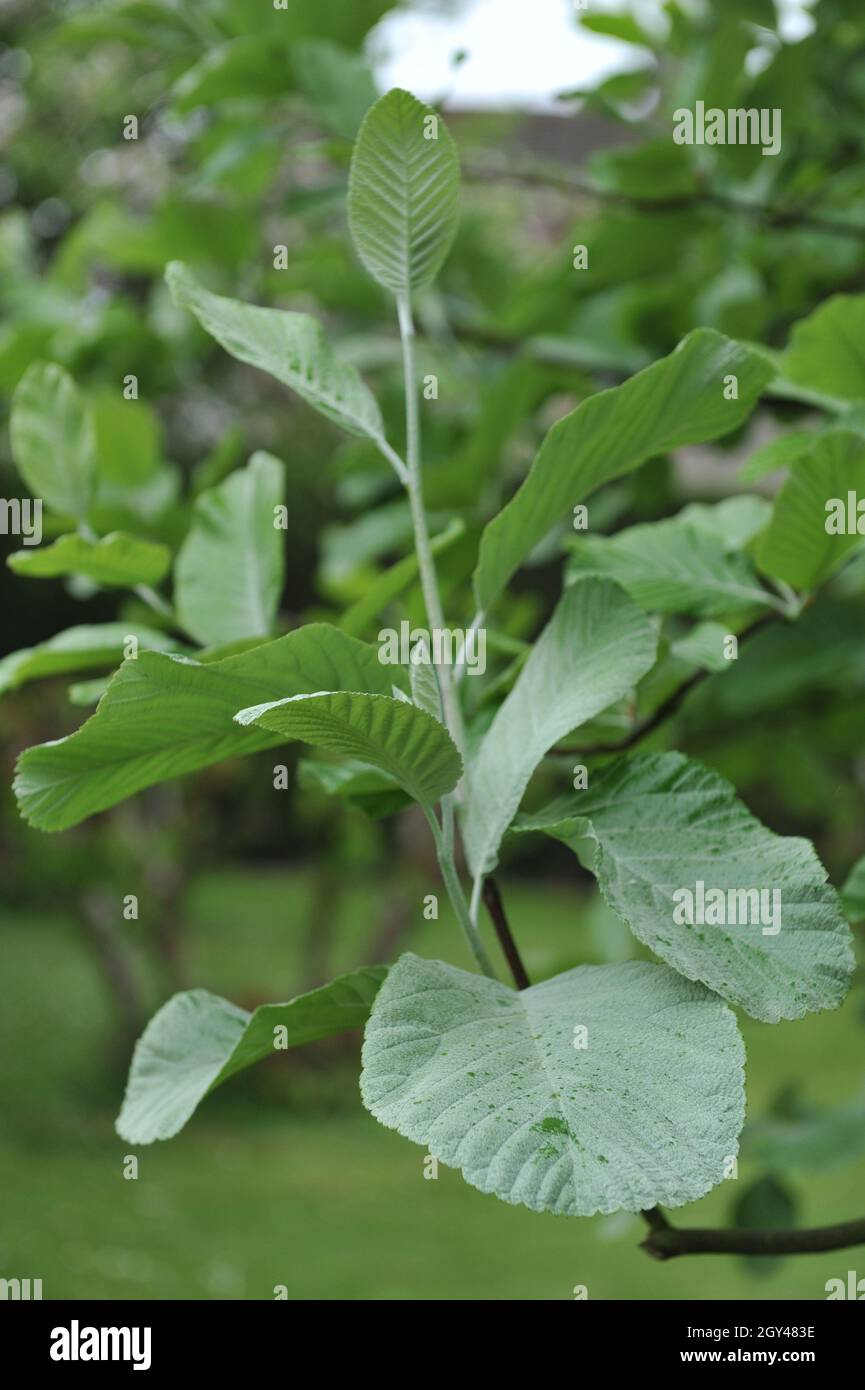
(495, 907)
(545, 176)
(666, 1242)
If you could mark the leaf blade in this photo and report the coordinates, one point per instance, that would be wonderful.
(197, 1040)
(655, 824)
(596, 624)
(491, 1081)
(115, 561)
(677, 400)
(229, 571)
(403, 193)
(53, 441)
(288, 346)
(391, 734)
(161, 718)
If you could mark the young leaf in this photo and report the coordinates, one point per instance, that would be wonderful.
(797, 546)
(679, 400)
(78, 649)
(593, 651)
(655, 826)
(672, 567)
(197, 1040)
(161, 718)
(403, 192)
(118, 560)
(229, 571)
(607, 1087)
(391, 734)
(53, 443)
(291, 347)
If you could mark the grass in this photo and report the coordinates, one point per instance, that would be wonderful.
(282, 1178)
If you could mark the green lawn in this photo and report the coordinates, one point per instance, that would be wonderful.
(283, 1178)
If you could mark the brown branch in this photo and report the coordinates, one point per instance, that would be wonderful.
(495, 907)
(666, 1242)
(541, 175)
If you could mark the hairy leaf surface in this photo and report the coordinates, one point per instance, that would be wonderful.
(197, 1040)
(655, 824)
(646, 1109)
(595, 648)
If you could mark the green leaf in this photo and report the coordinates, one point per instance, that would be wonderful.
(128, 440)
(229, 571)
(651, 826)
(678, 400)
(403, 192)
(291, 347)
(117, 560)
(825, 353)
(389, 733)
(53, 442)
(337, 82)
(494, 1082)
(733, 522)
(78, 649)
(617, 26)
(249, 66)
(162, 717)
(197, 1040)
(595, 648)
(796, 546)
(672, 567)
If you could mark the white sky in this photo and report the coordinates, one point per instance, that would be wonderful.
(520, 52)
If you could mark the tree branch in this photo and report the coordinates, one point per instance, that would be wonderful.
(666, 1242)
(545, 175)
